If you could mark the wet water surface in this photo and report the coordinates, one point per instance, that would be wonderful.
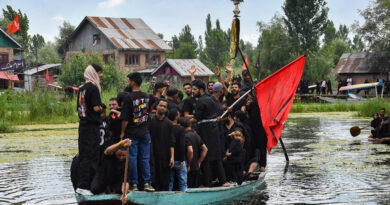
(327, 165)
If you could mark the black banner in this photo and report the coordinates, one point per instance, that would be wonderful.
(17, 65)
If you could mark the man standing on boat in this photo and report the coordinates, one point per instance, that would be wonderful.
(206, 112)
(89, 107)
(135, 118)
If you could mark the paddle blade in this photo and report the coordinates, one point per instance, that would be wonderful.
(355, 131)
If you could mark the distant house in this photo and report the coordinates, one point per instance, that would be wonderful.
(129, 41)
(37, 77)
(177, 71)
(9, 66)
(355, 65)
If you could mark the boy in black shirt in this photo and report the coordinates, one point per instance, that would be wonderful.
(89, 109)
(234, 156)
(135, 118)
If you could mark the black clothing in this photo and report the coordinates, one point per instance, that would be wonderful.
(162, 137)
(236, 150)
(115, 125)
(74, 168)
(259, 137)
(172, 105)
(208, 167)
(180, 144)
(196, 142)
(193, 179)
(88, 153)
(136, 110)
(88, 97)
(230, 100)
(246, 85)
(189, 105)
(375, 123)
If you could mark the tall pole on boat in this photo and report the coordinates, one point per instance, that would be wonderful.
(236, 11)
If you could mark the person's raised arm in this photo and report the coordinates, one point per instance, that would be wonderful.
(229, 75)
(192, 72)
(113, 148)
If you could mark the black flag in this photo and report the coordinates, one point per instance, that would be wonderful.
(257, 65)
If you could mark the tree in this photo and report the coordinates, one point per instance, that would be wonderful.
(357, 43)
(376, 32)
(274, 45)
(330, 32)
(65, 31)
(185, 51)
(48, 54)
(185, 36)
(343, 32)
(72, 73)
(306, 21)
(160, 35)
(37, 42)
(21, 36)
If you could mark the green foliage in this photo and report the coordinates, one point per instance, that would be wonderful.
(73, 72)
(65, 31)
(186, 37)
(330, 32)
(185, 51)
(20, 36)
(306, 21)
(37, 42)
(317, 66)
(334, 49)
(48, 54)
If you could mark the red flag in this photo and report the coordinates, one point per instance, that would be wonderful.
(47, 76)
(243, 65)
(275, 95)
(14, 26)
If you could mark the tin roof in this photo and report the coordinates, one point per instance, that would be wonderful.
(32, 71)
(182, 66)
(354, 63)
(127, 33)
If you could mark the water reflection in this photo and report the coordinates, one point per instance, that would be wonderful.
(326, 165)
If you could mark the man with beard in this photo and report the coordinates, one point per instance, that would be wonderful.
(206, 112)
(114, 121)
(189, 103)
(246, 82)
(210, 85)
(163, 143)
(135, 119)
(233, 96)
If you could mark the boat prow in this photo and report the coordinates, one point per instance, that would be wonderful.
(191, 196)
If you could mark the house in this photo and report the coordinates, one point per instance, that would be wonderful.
(129, 41)
(37, 77)
(9, 66)
(177, 71)
(355, 65)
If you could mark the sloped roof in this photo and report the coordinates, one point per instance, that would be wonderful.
(32, 71)
(12, 39)
(353, 63)
(182, 66)
(126, 33)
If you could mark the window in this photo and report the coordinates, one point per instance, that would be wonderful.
(95, 39)
(155, 60)
(107, 57)
(131, 59)
(3, 57)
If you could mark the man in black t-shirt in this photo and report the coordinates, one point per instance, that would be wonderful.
(233, 96)
(172, 95)
(199, 152)
(89, 109)
(135, 118)
(163, 143)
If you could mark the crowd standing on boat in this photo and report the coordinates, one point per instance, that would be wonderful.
(380, 128)
(173, 143)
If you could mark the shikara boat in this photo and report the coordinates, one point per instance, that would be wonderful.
(191, 196)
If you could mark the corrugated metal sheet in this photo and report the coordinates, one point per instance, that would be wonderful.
(32, 71)
(129, 33)
(182, 66)
(353, 63)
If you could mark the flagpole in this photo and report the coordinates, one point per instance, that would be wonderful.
(284, 149)
(246, 65)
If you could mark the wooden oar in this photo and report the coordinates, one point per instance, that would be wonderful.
(125, 175)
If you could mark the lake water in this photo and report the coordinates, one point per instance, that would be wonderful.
(327, 165)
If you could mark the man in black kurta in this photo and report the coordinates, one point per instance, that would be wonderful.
(163, 142)
(206, 110)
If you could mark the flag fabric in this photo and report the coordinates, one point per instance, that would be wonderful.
(243, 65)
(257, 65)
(47, 76)
(14, 26)
(275, 96)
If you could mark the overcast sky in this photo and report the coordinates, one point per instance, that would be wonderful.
(169, 16)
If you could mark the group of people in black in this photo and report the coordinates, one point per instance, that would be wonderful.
(380, 128)
(173, 143)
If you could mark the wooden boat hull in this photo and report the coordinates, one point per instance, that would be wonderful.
(191, 196)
